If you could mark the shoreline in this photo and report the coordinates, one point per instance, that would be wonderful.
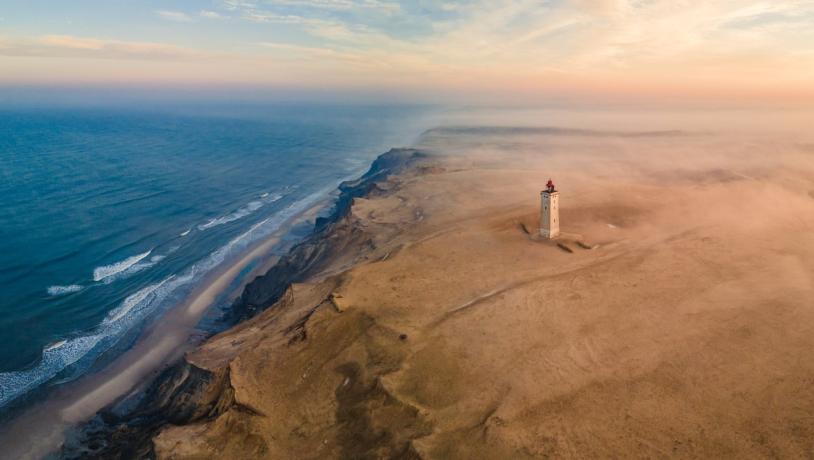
(428, 319)
(165, 341)
(161, 343)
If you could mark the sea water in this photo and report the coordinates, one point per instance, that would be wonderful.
(109, 216)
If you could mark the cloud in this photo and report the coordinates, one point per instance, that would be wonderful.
(533, 44)
(176, 16)
(235, 5)
(70, 42)
(311, 11)
(84, 47)
(774, 15)
(265, 16)
(322, 26)
(210, 14)
(297, 52)
(494, 45)
(341, 4)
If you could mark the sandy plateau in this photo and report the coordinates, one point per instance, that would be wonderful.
(679, 322)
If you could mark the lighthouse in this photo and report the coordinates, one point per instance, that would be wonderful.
(549, 211)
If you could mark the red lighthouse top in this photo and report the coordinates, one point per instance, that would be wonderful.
(550, 186)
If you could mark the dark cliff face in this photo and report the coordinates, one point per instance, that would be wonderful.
(184, 393)
(331, 236)
(180, 395)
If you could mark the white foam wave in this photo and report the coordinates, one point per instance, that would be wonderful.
(54, 360)
(55, 345)
(132, 301)
(239, 214)
(185, 233)
(137, 267)
(106, 271)
(61, 290)
(266, 227)
(137, 307)
(251, 207)
(58, 356)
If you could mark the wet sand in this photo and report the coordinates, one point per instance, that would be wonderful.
(41, 428)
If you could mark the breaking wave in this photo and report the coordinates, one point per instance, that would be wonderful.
(55, 345)
(132, 301)
(61, 290)
(139, 306)
(251, 207)
(106, 271)
(57, 357)
(54, 360)
(239, 214)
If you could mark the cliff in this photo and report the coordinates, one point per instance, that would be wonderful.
(197, 390)
(427, 320)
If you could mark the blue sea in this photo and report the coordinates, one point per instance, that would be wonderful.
(109, 216)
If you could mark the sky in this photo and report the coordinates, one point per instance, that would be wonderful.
(478, 49)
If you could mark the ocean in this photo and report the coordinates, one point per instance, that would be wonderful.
(110, 216)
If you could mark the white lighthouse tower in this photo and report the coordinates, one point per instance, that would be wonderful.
(550, 211)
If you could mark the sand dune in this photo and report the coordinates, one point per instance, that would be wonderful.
(679, 325)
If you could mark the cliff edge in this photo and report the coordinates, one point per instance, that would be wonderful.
(429, 320)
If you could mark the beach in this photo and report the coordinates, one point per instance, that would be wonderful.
(162, 344)
(387, 229)
(126, 243)
(429, 320)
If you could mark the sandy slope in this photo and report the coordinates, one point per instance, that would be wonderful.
(687, 330)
